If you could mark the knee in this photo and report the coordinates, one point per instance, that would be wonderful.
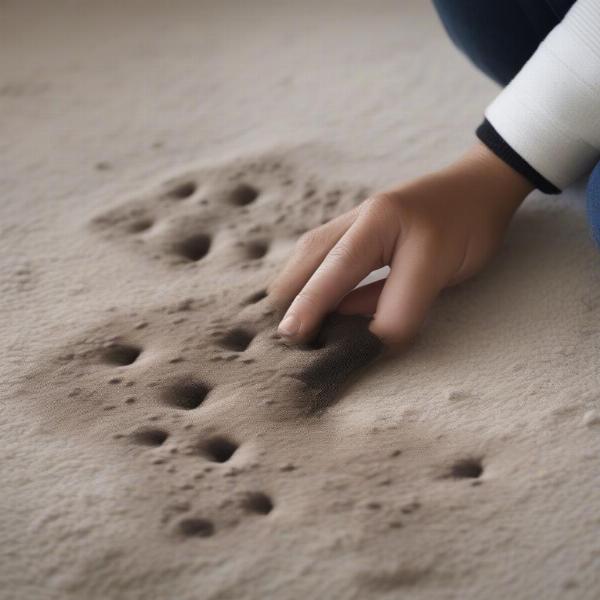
(593, 203)
(456, 18)
(479, 30)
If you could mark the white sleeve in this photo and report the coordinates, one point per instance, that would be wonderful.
(550, 112)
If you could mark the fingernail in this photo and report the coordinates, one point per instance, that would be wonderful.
(289, 326)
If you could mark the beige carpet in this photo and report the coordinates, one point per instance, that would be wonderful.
(157, 162)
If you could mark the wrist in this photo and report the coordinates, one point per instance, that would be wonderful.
(484, 174)
(499, 173)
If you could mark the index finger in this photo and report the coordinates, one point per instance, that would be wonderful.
(309, 253)
(353, 257)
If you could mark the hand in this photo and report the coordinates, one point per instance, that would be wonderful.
(433, 232)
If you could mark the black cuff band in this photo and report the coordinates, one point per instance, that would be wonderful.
(495, 142)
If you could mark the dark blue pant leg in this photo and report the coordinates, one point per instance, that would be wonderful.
(593, 203)
(499, 36)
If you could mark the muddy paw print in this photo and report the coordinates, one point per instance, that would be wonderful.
(186, 388)
(233, 215)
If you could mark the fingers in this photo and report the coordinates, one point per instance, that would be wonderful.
(354, 256)
(310, 251)
(411, 287)
(362, 301)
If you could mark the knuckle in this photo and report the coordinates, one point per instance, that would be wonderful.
(381, 201)
(309, 240)
(306, 300)
(342, 253)
(371, 204)
(382, 208)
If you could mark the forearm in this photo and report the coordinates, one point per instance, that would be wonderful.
(549, 115)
